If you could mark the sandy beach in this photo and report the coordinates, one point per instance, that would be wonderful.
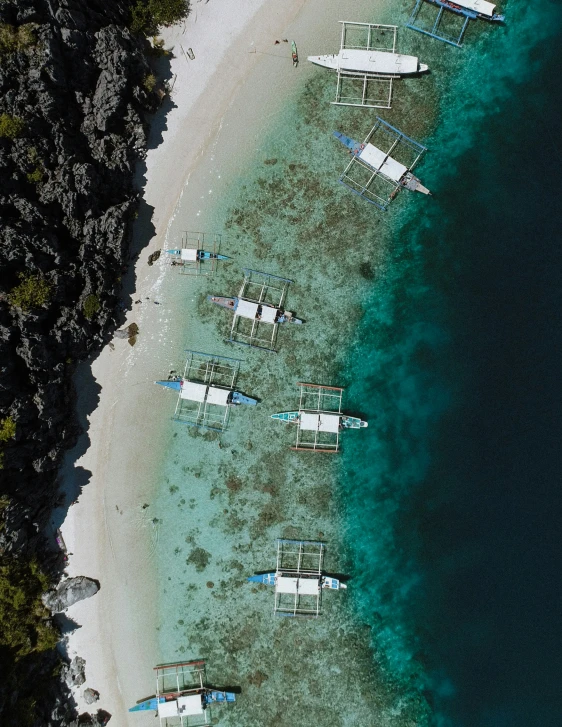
(109, 532)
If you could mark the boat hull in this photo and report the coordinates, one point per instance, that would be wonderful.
(237, 399)
(291, 417)
(370, 62)
(147, 705)
(174, 384)
(328, 582)
(353, 423)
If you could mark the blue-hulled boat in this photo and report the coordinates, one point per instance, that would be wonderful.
(181, 692)
(345, 422)
(268, 579)
(233, 398)
(194, 255)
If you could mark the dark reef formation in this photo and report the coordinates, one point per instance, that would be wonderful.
(75, 88)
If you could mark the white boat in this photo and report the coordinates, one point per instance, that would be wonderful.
(371, 62)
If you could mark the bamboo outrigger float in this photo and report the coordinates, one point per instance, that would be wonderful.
(298, 578)
(206, 391)
(367, 64)
(182, 698)
(377, 174)
(467, 10)
(258, 310)
(192, 258)
(319, 419)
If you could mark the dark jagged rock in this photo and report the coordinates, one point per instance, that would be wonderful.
(68, 592)
(75, 673)
(67, 202)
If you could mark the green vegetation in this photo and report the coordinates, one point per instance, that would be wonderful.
(10, 126)
(148, 15)
(32, 292)
(7, 429)
(35, 176)
(16, 38)
(26, 624)
(149, 82)
(91, 306)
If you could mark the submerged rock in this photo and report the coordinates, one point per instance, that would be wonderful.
(69, 592)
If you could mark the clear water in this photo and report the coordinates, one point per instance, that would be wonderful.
(375, 291)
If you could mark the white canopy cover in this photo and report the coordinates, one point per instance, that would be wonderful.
(480, 6)
(384, 164)
(329, 423)
(189, 255)
(246, 309)
(192, 391)
(268, 313)
(218, 396)
(168, 709)
(300, 586)
(191, 704)
(309, 422)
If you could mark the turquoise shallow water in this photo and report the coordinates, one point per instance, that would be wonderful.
(372, 289)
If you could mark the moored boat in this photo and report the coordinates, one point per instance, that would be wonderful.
(324, 419)
(192, 255)
(269, 579)
(212, 394)
(262, 312)
(370, 62)
(294, 53)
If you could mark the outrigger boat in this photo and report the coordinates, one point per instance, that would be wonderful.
(294, 53)
(374, 170)
(319, 418)
(367, 65)
(255, 312)
(206, 391)
(298, 578)
(467, 9)
(181, 694)
(192, 258)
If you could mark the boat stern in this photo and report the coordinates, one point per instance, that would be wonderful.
(423, 68)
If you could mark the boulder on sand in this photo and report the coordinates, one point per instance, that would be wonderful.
(68, 592)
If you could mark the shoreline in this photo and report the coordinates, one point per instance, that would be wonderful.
(118, 546)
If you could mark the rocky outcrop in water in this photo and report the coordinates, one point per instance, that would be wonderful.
(68, 592)
(75, 88)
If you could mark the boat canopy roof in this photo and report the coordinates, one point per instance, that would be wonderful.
(480, 6)
(246, 309)
(379, 160)
(183, 706)
(193, 391)
(300, 586)
(268, 314)
(189, 254)
(217, 396)
(320, 422)
(369, 61)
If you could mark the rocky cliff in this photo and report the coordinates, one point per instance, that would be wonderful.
(75, 88)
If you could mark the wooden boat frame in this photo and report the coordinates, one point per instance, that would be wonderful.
(366, 81)
(435, 31)
(398, 142)
(271, 289)
(183, 679)
(212, 370)
(197, 241)
(299, 559)
(325, 400)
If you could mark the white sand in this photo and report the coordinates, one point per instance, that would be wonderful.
(108, 532)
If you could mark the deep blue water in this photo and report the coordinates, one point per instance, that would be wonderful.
(453, 497)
